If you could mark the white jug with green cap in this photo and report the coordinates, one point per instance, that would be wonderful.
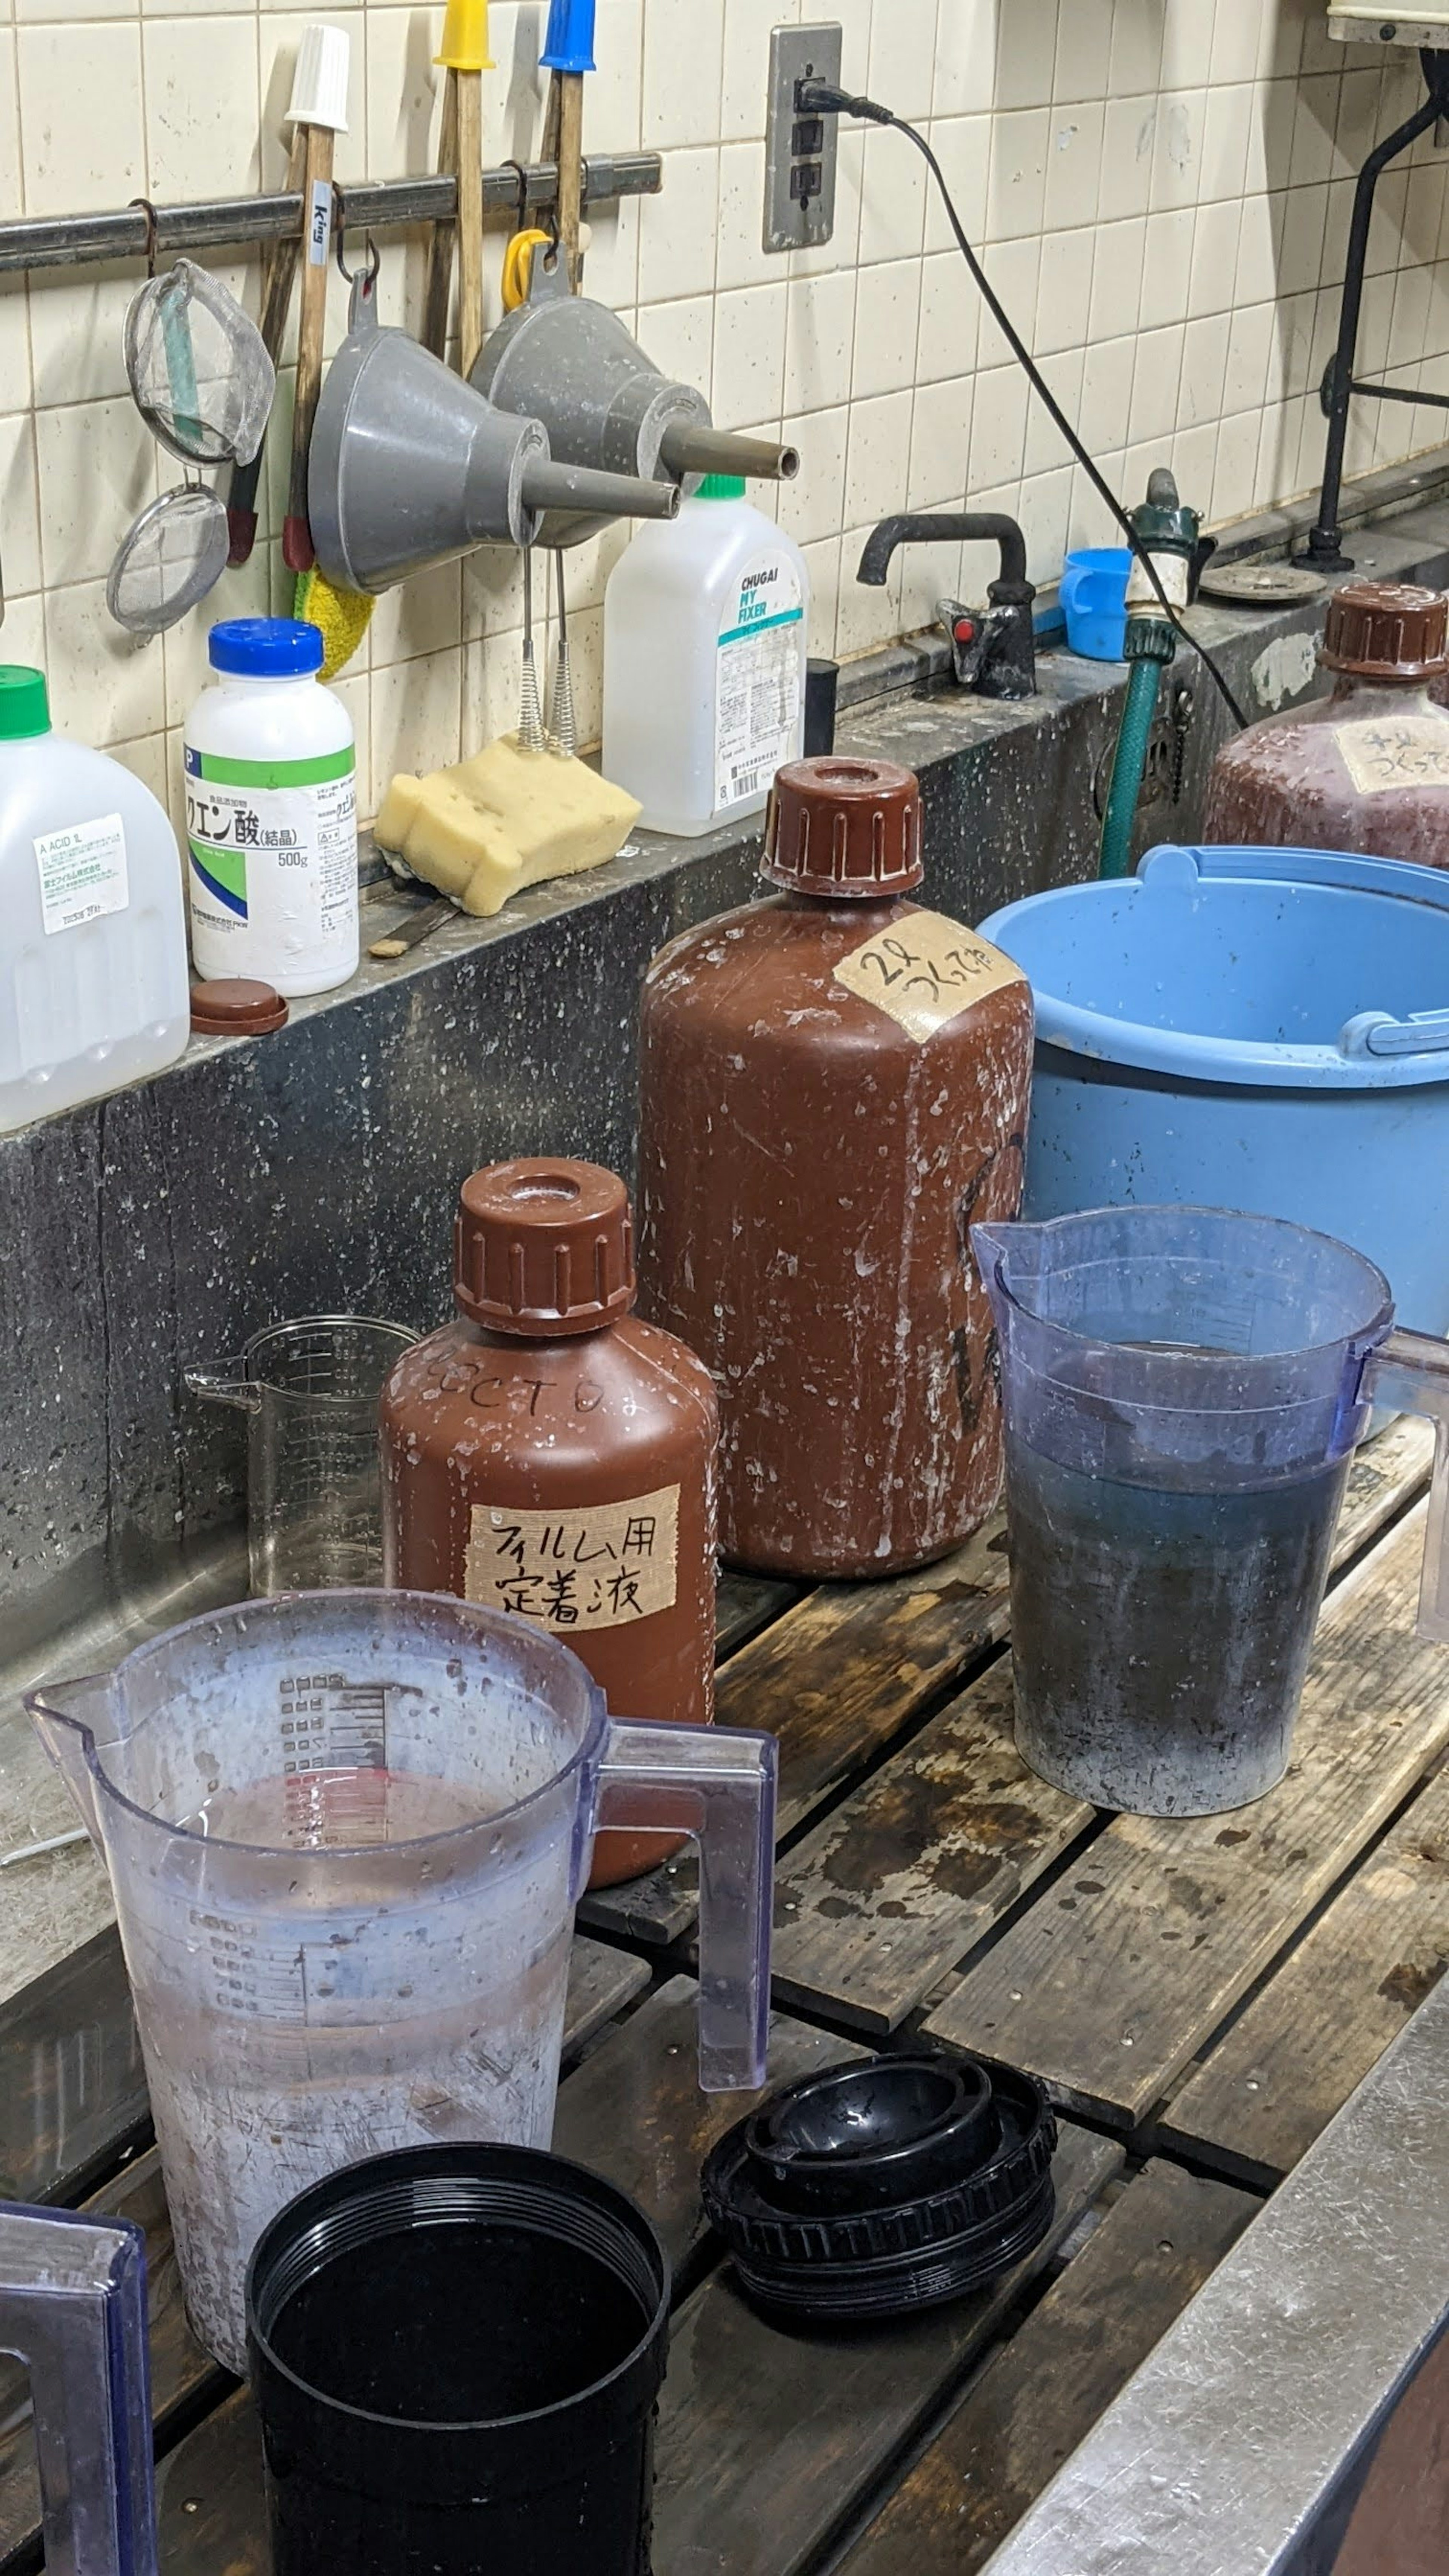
(93, 990)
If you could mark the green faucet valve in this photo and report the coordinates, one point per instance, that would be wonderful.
(1162, 523)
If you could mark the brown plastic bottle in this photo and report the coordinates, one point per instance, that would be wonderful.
(833, 1087)
(551, 1455)
(1366, 768)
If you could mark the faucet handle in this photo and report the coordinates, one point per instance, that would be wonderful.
(966, 633)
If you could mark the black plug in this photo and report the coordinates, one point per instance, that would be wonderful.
(822, 98)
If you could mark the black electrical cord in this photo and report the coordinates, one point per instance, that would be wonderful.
(822, 98)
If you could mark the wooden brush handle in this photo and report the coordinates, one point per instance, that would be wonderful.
(440, 247)
(279, 268)
(570, 169)
(470, 218)
(297, 551)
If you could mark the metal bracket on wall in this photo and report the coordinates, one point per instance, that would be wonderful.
(67, 241)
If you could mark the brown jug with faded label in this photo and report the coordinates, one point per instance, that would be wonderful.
(1366, 768)
(551, 1455)
(833, 1090)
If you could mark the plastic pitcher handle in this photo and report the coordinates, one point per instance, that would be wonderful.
(224, 1382)
(1410, 1371)
(719, 1785)
(1379, 1033)
(73, 2307)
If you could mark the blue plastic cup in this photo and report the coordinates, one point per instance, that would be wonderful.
(1094, 600)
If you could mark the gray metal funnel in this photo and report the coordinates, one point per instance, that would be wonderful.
(411, 467)
(571, 363)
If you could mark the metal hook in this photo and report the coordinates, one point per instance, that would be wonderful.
(149, 211)
(520, 217)
(374, 261)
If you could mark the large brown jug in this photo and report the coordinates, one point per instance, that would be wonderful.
(834, 1088)
(1366, 768)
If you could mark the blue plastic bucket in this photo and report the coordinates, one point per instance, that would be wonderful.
(1255, 1029)
(1093, 595)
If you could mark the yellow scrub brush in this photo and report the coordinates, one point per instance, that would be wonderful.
(342, 616)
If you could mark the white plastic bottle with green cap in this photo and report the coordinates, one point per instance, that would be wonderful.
(705, 627)
(93, 985)
(271, 812)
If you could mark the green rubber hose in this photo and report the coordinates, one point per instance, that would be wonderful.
(1128, 766)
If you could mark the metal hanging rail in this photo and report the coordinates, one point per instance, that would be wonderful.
(66, 241)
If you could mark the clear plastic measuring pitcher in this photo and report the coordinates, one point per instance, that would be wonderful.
(1183, 1389)
(345, 1832)
(314, 1479)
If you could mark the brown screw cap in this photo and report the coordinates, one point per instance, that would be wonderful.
(1386, 630)
(845, 829)
(233, 1006)
(543, 1249)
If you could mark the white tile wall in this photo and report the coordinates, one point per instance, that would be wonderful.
(1159, 190)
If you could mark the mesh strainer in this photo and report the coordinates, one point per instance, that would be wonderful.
(199, 370)
(168, 559)
(203, 384)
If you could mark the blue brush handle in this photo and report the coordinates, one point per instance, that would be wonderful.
(570, 45)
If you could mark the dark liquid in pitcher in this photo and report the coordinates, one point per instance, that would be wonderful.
(1161, 1638)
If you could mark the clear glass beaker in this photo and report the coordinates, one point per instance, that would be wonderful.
(310, 1390)
(345, 1832)
(1183, 1389)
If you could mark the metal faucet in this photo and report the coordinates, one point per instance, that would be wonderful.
(996, 654)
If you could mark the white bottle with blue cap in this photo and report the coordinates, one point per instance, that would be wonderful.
(271, 812)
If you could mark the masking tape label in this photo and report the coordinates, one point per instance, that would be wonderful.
(925, 970)
(82, 873)
(1390, 752)
(603, 1567)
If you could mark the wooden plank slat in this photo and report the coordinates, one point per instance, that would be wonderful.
(601, 1982)
(899, 1882)
(763, 2437)
(179, 2367)
(766, 2438)
(835, 1679)
(1110, 1986)
(1324, 2019)
(745, 1603)
(1387, 1474)
(72, 2086)
(635, 2111)
(1042, 2393)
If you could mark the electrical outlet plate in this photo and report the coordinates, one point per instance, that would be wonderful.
(800, 152)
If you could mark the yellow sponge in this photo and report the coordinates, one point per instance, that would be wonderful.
(507, 819)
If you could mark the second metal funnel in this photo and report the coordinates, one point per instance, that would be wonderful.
(570, 363)
(411, 466)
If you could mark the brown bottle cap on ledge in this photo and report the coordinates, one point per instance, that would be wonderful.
(235, 1006)
(543, 1249)
(1386, 630)
(849, 830)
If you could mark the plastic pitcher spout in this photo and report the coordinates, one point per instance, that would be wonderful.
(69, 1717)
(997, 1245)
(224, 1382)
